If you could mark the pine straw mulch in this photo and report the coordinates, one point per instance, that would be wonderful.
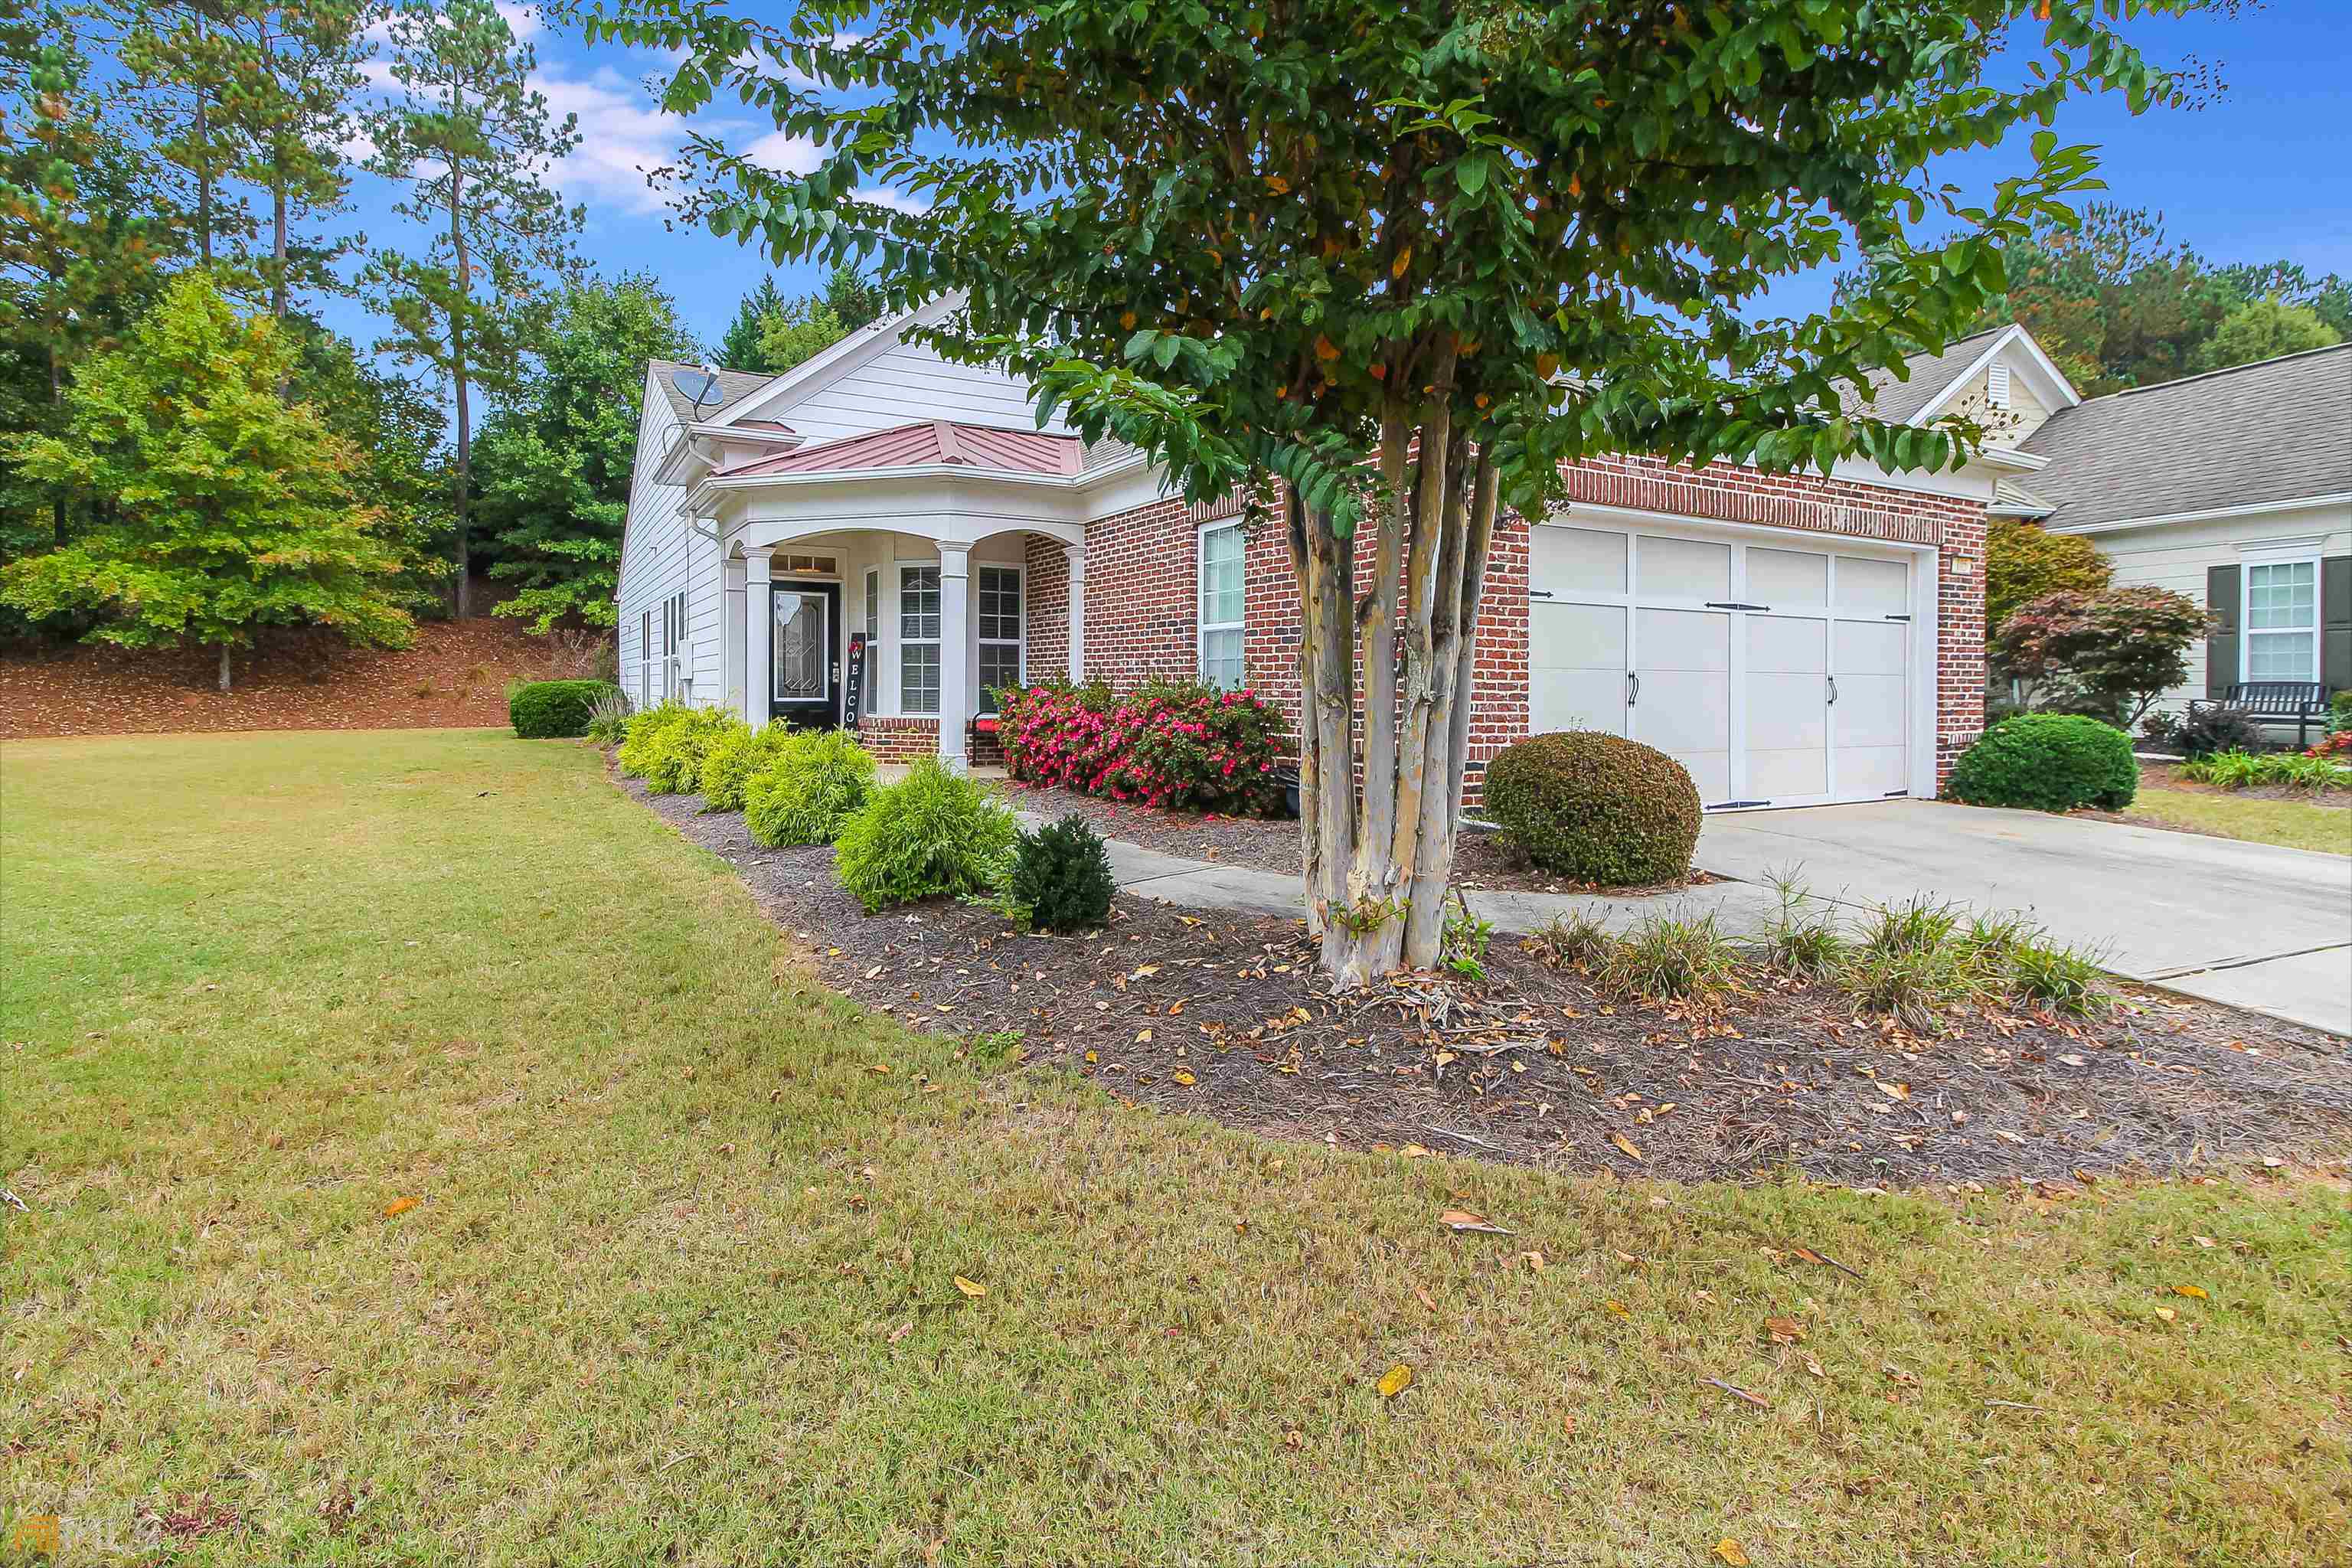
(453, 676)
(1222, 1014)
(1482, 862)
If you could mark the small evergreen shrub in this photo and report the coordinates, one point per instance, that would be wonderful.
(2340, 712)
(932, 832)
(2048, 762)
(1062, 877)
(1598, 808)
(545, 710)
(645, 732)
(608, 719)
(733, 760)
(2203, 730)
(809, 789)
(675, 765)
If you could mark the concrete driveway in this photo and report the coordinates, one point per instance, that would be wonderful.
(2249, 924)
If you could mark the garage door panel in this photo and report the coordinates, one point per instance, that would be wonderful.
(1572, 559)
(1578, 699)
(1872, 647)
(1871, 710)
(1787, 773)
(1576, 667)
(1867, 771)
(1696, 640)
(1778, 644)
(1788, 579)
(1686, 569)
(1870, 584)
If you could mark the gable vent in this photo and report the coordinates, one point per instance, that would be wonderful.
(1997, 386)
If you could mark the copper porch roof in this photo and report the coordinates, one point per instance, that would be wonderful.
(931, 442)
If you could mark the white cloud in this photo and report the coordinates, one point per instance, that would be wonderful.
(785, 154)
(623, 133)
(524, 21)
(896, 201)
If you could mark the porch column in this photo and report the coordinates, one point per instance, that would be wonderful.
(730, 634)
(759, 634)
(1076, 554)
(956, 652)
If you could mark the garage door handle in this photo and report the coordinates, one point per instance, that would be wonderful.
(1632, 689)
(1833, 688)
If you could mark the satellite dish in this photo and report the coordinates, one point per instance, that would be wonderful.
(699, 387)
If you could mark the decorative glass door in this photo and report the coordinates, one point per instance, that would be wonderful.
(807, 674)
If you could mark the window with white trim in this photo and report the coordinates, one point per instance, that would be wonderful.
(1000, 631)
(644, 658)
(918, 639)
(2282, 621)
(873, 640)
(1222, 600)
(673, 643)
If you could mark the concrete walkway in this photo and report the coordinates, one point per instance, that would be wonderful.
(2252, 925)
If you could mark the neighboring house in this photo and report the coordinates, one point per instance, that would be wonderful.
(2233, 487)
(1792, 640)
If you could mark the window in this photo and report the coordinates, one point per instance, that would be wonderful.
(1000, 631)
(674, 675)
(805, 566)
(918, 639)
(644, 658)
(2282, 621)
(873, 641)
(1220, 605)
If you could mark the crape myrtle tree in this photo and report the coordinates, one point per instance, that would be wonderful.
(1408, 259)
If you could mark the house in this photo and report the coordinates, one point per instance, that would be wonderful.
(883, 535)
(2233, 487)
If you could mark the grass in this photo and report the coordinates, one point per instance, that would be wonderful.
(682, 1283)
(2295, 824)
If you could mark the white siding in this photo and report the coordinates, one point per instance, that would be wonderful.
(904, 384)
(662, 555)
(2176, 555)
(2002, 428)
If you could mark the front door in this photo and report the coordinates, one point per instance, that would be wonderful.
(806, 689)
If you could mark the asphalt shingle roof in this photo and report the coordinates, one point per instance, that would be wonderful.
(1899, 402)
(734, 387)
(2274, 430)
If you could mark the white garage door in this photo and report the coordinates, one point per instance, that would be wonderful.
(1778, 674)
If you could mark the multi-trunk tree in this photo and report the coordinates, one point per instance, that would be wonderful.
(473, 141)
(1409, 258)
(220, 509)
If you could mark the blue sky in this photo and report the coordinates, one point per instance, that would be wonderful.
(2262, 173)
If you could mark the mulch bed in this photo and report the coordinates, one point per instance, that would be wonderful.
(454, 675)
(1221, 1015)
(1482, 862)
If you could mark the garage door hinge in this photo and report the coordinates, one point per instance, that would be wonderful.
(1734, 804)
(1898, 618)
(1733, 605)
(1896, 794)
(1539, 592)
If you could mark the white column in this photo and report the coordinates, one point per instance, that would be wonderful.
(1076, 554)
(956, 652)
(759, 635)
(730, 634)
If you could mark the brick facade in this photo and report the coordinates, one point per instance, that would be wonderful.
(911, 739)
(1142, 581)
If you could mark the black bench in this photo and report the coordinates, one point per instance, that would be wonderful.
(2303, 701)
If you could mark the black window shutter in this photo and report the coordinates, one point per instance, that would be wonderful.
(2336, 623)
(2221, 648)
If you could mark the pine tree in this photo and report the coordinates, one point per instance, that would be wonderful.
(739, 349)
(222, 510)
(198, 73)
(474, 142)
(309, 58)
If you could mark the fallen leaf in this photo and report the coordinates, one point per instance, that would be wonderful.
(1784, 1330)
(1395, 1381)
(399, 1207)
(2194, 1292)
(1728, 1549)
(901, 1332)
(1463, 1219)
(2167, 1314)
(1893, 1091)
(1534, 1260)
(1142, 1037)
(2202, 1240)
(881, 1067)
(1093, 1057)
(968, 1288)
(1187, 1079)
(1618, 1307)
(1424, 1297)
(1624, 1144)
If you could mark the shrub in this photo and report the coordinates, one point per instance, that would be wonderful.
(1061, 877)
(2062, 979)
(608, 718)
(810, 788)
(675, 763)
(732, 762)
(2112, 654)
(547, 709)
(2023, 562)
(2048, 762)
(2338, 744)
(1175, 747)
(1572, 937)
(1599, 808)
(2245, 770)
(2203, 730)
(1802, 939)
(1666, 960)
(932, 832)
(2340, 712)
(643, 733)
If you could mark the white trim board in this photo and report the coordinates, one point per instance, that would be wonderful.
(2208, 514)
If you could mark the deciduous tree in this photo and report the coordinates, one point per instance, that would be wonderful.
(2264, 329)
(473, 141)
(2110, 654)
(2023, 562)
(221, 509)
(1410, 258)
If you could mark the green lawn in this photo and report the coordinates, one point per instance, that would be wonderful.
(2299, 825)
(681, 1286)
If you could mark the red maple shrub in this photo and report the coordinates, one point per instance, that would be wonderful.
(1169, 746)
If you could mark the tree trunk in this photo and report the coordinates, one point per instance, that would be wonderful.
(203, 172)
(1380, 804)
(461, 599)
(224, 669)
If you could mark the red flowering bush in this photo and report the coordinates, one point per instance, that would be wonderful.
(1172, 747)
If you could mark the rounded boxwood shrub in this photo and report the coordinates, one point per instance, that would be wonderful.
(2048, 762)
(545, 710)
(1598, 808)
(808, 789)
(933, 832)
(1062, 877)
